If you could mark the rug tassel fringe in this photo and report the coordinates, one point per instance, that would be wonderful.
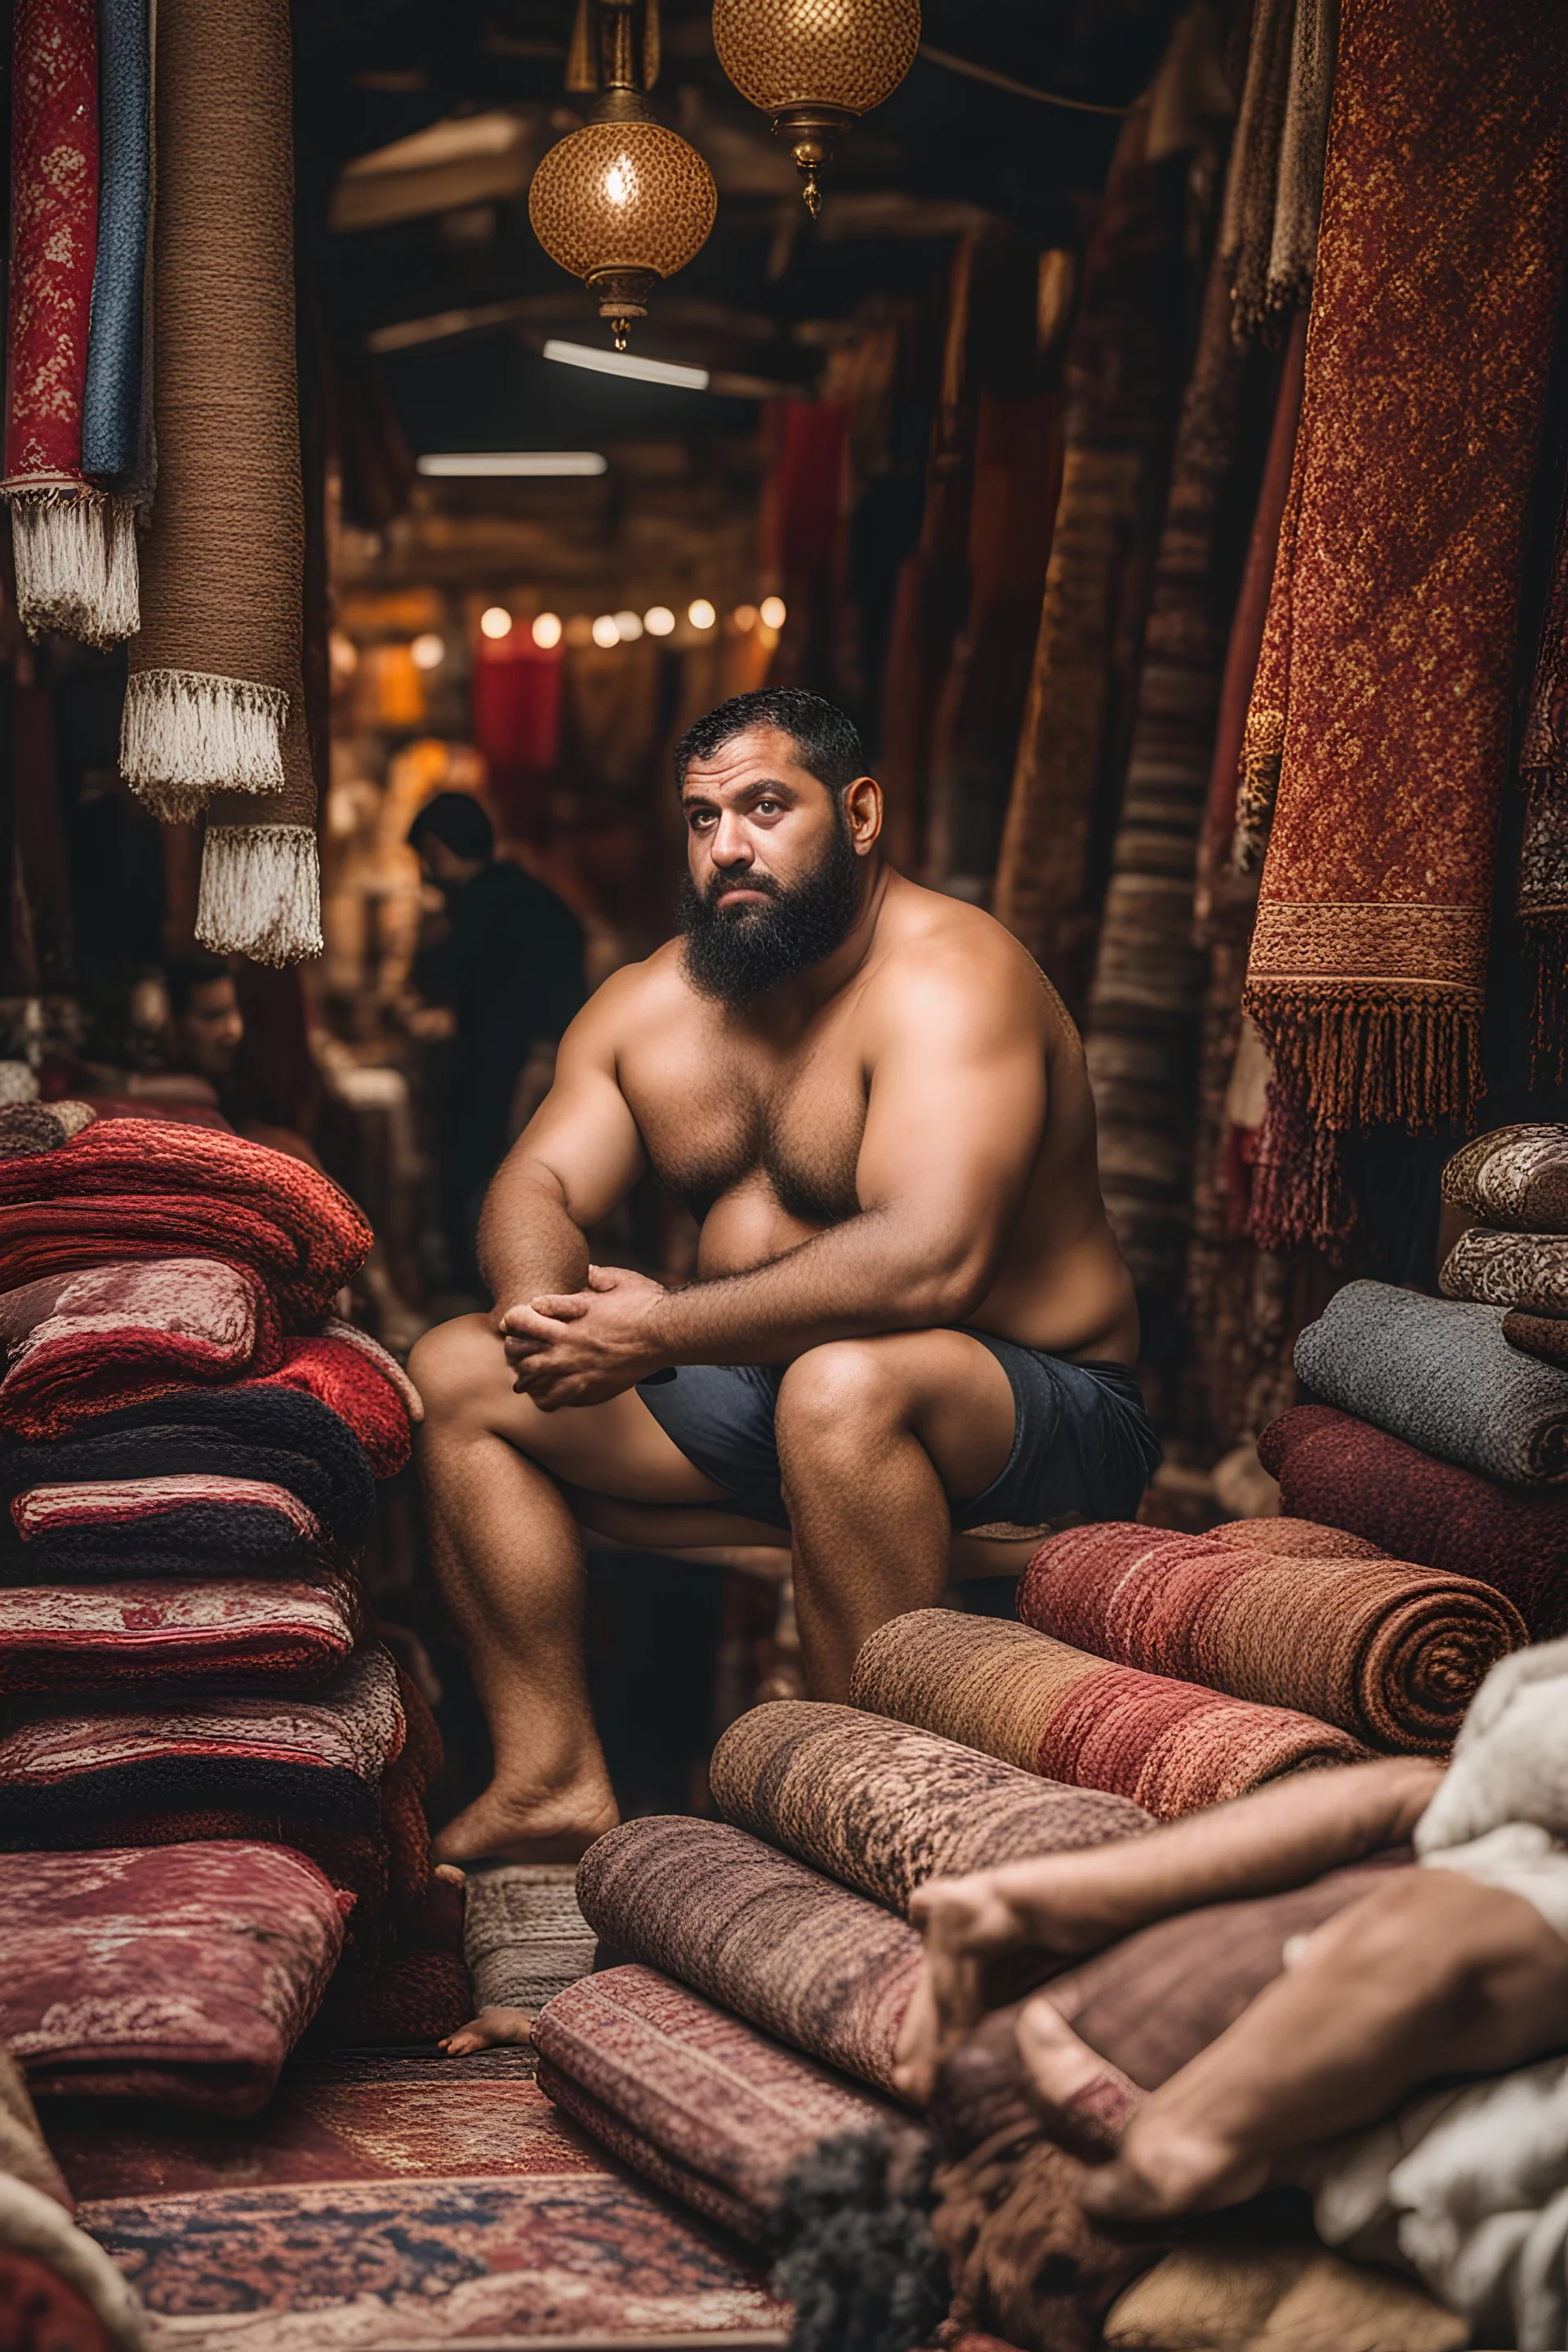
(260, 893)
(1353, 1065)
(187, 734)
(76, 565)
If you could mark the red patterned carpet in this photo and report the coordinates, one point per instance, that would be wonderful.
(388, 2202)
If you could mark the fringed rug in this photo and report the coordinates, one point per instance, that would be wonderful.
(1383, 699)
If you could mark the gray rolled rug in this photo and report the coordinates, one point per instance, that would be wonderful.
(1439, 1373)
(524, 1939)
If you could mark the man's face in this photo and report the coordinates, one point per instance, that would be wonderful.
(207, 1034)
(773, 876)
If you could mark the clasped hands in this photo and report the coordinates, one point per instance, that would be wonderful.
(587, 1345)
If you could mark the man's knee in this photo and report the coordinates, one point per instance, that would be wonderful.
(835, 1396)
(456, 1369)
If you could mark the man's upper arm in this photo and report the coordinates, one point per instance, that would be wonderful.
(957, 1105)
(583, 1137)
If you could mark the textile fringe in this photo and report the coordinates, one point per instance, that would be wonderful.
(262, 893)
(186, 733)
(1545, 946)
(1298, 1196)
(1355, 1064)
(76, 564)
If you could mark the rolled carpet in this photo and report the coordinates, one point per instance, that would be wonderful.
(325, 1758)
(271, 1434)
(1388, 1650)
(29, 1127)
(524, 1939)
(1439, 1373)
(233, 1520)
(1498, 1269)
(883, 1807)
(170, 1173)
(1515, 1176)
(704, 2106)
(80, 1344)
(1348, 1473)
(182, 1972)
(202, 1635)
(1034, 1701)
(215, 705)
(1294, 1538)
(758, 1932)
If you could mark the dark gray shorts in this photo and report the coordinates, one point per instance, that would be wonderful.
(1082, 1439)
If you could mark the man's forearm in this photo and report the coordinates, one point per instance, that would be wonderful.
(861, 1277)
(528, 1245)
(1278, 1837)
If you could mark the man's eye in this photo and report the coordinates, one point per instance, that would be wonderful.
(767, 808)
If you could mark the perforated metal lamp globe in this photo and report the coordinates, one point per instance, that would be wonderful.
(815, 65)
(621, 204)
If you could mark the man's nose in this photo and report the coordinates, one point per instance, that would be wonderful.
(731, 843)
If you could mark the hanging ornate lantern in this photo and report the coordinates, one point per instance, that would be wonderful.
(622, 202)
(815, 65)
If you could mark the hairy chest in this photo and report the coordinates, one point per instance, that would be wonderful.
(722, 1123)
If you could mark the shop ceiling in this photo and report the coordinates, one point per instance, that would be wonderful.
(420, 124)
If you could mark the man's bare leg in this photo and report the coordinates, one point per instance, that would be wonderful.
(510, 1559)
(1432, 1975)
(874, 1435)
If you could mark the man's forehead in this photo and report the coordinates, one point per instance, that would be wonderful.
(756, 753)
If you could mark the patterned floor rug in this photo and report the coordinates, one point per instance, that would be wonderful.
(399, 2204)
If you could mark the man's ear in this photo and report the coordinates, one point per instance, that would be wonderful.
(863, 810)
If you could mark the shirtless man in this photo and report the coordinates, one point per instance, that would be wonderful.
(910, 1318)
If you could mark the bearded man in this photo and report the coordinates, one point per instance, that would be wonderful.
(908, 1345)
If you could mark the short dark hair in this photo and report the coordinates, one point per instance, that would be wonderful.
(458, 819)
(183, 975)
(828, 746)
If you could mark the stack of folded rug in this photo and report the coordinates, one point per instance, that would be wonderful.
(1515, 1182)
(194, 1716)
(1441, 1430)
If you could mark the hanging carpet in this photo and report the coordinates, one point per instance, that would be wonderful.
(1381, 702)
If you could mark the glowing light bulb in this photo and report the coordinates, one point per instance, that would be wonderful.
(495, 622)
(345, 655)
(605, 630)
(621, 181)
(700, 613)
(659, 620)
(744, 616)
(428, 651)
(546, 631)
(775, 611)
(628, 627)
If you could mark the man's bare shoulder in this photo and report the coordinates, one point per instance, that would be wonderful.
(639, 997)
(930, 947)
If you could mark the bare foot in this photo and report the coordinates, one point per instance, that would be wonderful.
(501, 1827)
(492, 2030)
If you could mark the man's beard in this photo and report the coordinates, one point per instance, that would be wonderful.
(737, 955)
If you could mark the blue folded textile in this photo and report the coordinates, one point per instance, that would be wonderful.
(111, 406)
(1439, 1373)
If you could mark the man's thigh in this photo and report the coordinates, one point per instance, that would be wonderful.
(616, 1449)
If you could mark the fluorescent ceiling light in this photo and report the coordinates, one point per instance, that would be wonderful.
(627, 363)
(474, 465)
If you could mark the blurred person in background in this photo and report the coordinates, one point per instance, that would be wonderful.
(506, 970)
